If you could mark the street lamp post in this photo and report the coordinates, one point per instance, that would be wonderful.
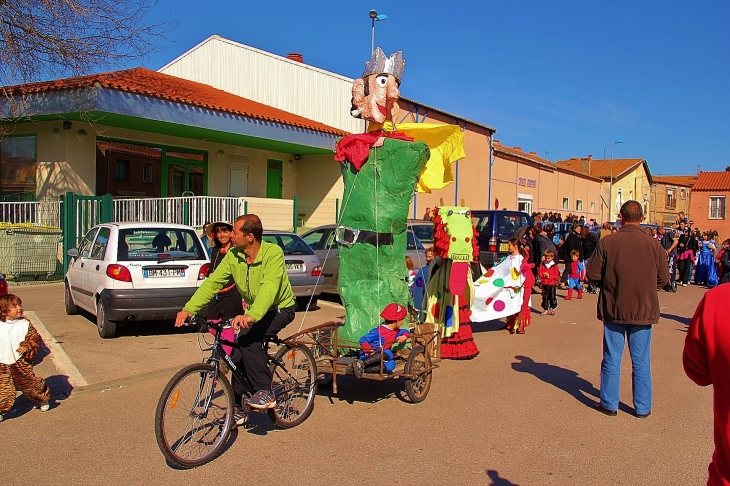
(375, 17)
(610, 186)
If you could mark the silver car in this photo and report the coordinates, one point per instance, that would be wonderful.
(302, 266)
(322, 240)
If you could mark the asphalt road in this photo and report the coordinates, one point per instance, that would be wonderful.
(519, 414)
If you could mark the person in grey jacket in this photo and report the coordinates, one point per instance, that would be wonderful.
(628, 266)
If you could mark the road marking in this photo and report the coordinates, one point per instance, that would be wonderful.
(59, 358)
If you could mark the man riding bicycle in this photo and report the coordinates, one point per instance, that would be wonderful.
(258, 269)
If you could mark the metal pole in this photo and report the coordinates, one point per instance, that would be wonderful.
(372, 41)
(610, 189)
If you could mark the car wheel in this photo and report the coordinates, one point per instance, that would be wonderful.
(106, 328)
(68, 301)
(302, 303)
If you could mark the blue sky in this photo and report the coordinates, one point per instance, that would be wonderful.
(566, 78)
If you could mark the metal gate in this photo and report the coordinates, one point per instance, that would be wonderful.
(80, 214)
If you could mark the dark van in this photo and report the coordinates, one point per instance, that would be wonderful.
(495, 228)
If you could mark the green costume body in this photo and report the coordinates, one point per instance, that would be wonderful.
(377, 198)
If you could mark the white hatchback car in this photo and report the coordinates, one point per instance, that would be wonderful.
(124, 272)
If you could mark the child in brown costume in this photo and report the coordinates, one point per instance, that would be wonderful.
(19, 345)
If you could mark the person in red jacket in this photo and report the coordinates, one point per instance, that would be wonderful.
(706, 360)
(549, 277)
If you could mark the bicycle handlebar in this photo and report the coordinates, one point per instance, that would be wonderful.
(200, 322)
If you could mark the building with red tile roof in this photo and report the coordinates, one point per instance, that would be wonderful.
(624, 180)
(527, 182)
(168, 136)
(672, 195)
(710, 195)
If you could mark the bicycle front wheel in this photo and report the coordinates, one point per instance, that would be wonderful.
(294, 384)
(194, 416)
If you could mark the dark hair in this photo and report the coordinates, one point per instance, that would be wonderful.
(520, 244)
(6, 301)
(574, 253)
(252, 225)
(631, 212)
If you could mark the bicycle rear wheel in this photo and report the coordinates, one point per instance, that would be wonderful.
(294, 384)
(194, 416)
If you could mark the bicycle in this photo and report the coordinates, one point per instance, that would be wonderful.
(194, 415)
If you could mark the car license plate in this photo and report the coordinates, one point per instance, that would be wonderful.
(504, 247)
(164, 272)
(294, 266)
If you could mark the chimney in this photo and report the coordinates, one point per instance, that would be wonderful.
(295, 56)
(533, 153)
(519, 149)
(586, 164)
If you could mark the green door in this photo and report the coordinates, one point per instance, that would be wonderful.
(184, 177)
(274, 173)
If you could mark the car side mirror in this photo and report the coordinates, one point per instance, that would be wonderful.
(73, 252)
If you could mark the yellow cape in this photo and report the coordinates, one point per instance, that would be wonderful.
(446, 143)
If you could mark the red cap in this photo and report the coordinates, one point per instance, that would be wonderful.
(394, 312)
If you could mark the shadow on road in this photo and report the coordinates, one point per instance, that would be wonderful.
(567, 380)
(352, 390)
(488, 326)
(497, 480)
(60, 391)
(679, 319)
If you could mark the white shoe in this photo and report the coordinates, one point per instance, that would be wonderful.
(44, 407)
(684, 285)
(1, 417)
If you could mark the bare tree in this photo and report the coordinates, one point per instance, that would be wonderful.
(41, 39)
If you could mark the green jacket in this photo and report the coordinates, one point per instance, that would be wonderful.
(263, 285)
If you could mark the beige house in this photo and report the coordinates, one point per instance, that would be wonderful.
(527, 182)
(671, 195)
(623, 180)
(140, 133)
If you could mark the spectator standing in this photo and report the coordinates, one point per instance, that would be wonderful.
(725, 262)
(706, 273)
(549, 277)
(572, 243)
(706, 360)
(427, 215)
(681, 218)
(686, 251)
(589, 242)
(605, 230)
(669, 242)
(628, 267)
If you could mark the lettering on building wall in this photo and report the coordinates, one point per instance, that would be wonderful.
(527, 182)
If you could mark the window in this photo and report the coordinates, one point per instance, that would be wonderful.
(682, 193)
(717, 207)
(579, 205)
(145, 244)
(99, 248)
(315, 239)
(671, 198)
(290, 244)
(593, 207)
(122, 170)
(566, 203)
(148, 174)
(18, 167)
(524, 203)
(85, 244)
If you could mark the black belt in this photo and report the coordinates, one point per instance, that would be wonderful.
(349, 236)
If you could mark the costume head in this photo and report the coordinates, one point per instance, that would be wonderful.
(375, 94)
(455, 240)
(394, 312)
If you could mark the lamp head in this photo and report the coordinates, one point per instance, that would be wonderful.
(373, 14)
(618, 141)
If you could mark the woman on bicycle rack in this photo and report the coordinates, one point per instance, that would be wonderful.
(258, 270)
(226, 304)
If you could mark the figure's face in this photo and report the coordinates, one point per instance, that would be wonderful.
(549, 258)
(374, 98)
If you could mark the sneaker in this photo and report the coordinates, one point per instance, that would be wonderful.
(261, 400)
(238, 417)
(552, 312)
(545, 313)
(684, 285)
(44, 407)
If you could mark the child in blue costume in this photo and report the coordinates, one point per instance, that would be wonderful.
(577, 275)
(381, 340)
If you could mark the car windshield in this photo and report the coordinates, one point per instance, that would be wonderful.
(146, 244)
(424, 232)
(290, 244)
(413, 242)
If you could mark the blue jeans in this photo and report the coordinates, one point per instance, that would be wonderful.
(639, 337)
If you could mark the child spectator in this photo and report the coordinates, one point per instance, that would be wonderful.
(577, 275)
(381, 340)
(549, 277)
(411, 271)
(19, 345)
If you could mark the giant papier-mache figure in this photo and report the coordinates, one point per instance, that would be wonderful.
(381, 169)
